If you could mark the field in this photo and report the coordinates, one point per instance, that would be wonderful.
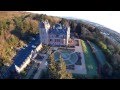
(90, 61)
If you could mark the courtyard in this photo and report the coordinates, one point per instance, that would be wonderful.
(79, 60)
(73, 57)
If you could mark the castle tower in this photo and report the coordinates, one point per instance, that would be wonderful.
(68, 34)
(44, 27)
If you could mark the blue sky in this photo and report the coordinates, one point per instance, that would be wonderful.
(110, 19)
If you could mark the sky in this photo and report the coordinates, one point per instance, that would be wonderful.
(110, 19)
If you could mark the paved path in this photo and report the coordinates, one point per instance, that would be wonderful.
(42, 66)
(30, 72)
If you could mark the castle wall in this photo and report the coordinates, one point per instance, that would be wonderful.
(51, 39)
(28, 59)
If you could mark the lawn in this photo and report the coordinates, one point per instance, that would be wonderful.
(99, 54)
(90, 61)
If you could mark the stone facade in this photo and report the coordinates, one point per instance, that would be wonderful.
(57, 35)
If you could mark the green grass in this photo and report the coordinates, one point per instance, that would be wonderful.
(99, 54)
(90, 61)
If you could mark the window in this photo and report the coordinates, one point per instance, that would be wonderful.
(53, 36)
(50, 39)
(58, 40)
(57, 35)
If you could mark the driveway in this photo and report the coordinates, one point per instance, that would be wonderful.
(42, 66)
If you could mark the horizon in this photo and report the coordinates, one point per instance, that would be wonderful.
(109, 19)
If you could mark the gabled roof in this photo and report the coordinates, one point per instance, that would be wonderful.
(58, 29)
(24, 53)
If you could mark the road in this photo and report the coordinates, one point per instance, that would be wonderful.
(42, 66)
(30, 72)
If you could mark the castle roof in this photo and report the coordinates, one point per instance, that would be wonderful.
(58, 29)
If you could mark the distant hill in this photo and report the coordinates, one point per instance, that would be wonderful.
(104, 30)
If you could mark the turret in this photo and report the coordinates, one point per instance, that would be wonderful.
(44, 26)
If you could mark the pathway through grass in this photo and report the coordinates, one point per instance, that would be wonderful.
(90, 61)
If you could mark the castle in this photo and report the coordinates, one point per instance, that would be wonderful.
(57, 35)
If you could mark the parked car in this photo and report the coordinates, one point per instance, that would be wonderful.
(33, 46)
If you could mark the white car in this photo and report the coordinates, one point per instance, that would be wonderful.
(33, 46)
(26, 45)
(23, 48)
(46, 63)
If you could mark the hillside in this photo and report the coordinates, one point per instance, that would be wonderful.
(16, 29)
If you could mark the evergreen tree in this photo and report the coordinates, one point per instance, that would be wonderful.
(52, 67)
(61, 70)
(78, 29)
(57, 70)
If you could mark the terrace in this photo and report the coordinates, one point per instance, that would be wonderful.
(68, 56)
(73, 57)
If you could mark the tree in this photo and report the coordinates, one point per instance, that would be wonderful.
(111, 48)
(117, 49)
(116, 61)
(64, 22)
(52, 67)
(103, 46)
(73, 25)
(62, 72)
(78, 29)
(57, 70)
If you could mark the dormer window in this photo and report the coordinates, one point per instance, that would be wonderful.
(57, 35)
